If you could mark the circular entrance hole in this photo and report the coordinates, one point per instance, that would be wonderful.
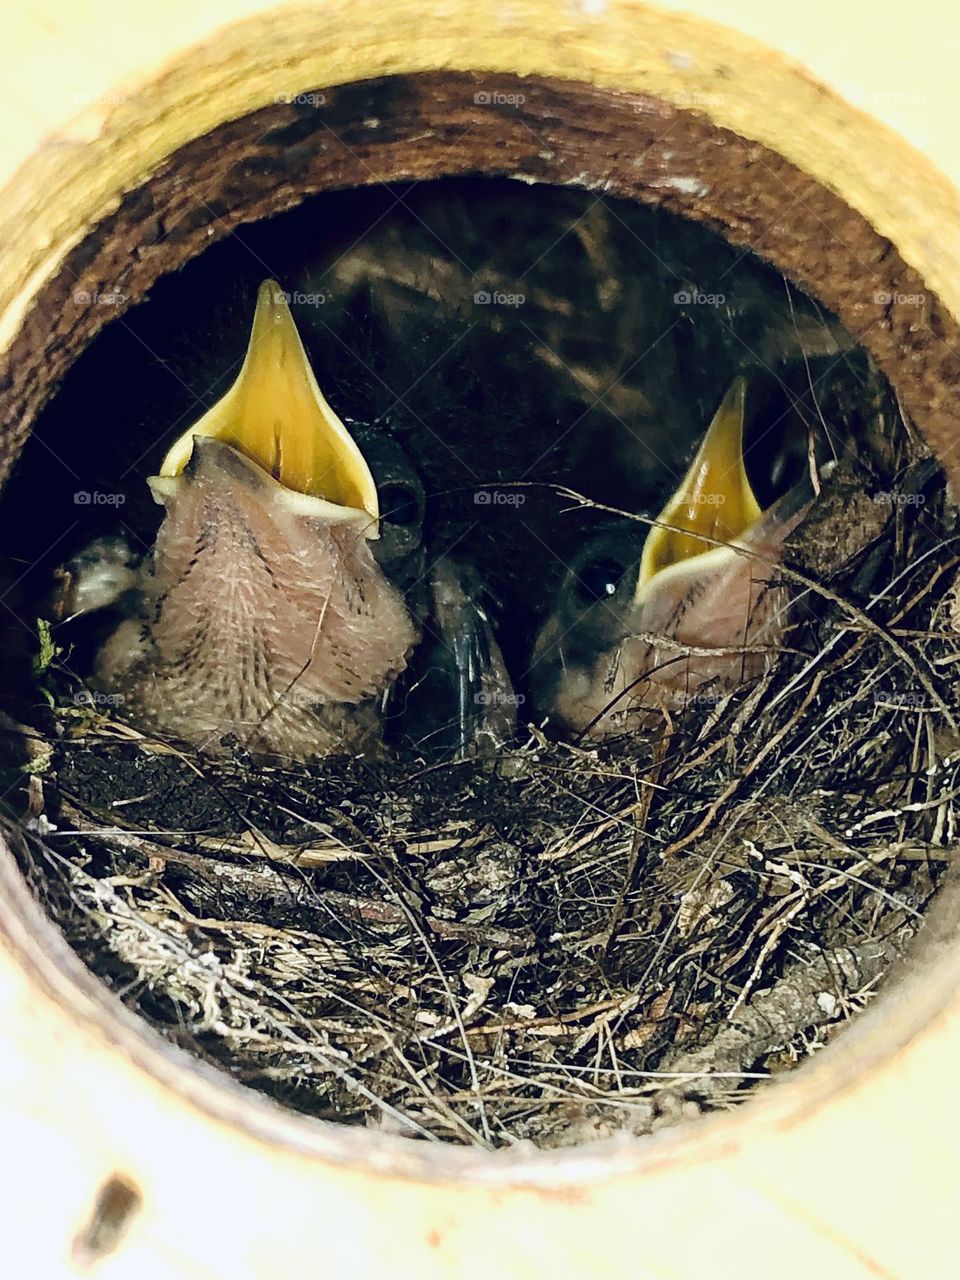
(552, 937)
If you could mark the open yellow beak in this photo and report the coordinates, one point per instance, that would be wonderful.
(714, 500)
(276, 415)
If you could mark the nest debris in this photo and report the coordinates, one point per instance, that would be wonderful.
(589, 941)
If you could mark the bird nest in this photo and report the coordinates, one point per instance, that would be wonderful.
(560, 939)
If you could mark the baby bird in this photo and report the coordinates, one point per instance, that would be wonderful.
(262, 613)
(699, 609)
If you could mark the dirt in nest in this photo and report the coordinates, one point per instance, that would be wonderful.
(559, 940)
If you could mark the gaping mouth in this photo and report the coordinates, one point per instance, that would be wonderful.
(276, 416)
(713, 504)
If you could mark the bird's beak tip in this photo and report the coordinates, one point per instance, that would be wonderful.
(714, 502)
(277, 417)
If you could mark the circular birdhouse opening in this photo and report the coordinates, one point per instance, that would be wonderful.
(613, 777)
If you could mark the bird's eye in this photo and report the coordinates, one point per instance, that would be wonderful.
(399, 503)
(600, 579)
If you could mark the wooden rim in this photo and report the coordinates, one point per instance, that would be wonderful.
(416, 128)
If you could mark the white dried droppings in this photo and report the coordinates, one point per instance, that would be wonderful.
(689, 186)
(828, 1003)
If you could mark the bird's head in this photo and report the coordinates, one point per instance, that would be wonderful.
(646, 622)
(263, 611)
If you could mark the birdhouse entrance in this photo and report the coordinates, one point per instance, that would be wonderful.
(577, 554)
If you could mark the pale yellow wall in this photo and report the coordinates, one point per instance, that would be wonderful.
(898, 61)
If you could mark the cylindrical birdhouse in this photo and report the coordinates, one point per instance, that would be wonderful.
(134, 144)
